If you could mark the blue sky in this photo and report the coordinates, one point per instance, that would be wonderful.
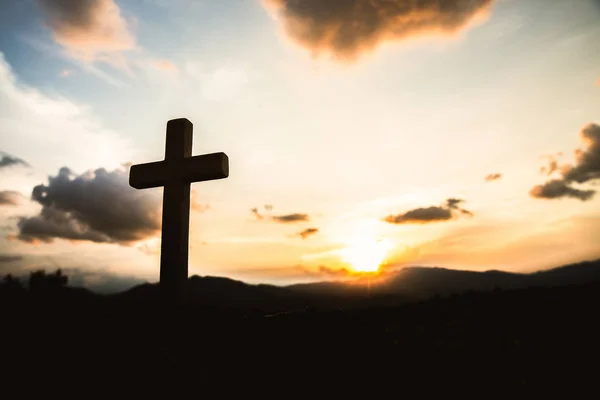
(406, 125)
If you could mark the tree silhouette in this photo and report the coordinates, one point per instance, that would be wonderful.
(39, 281)
(10, 284)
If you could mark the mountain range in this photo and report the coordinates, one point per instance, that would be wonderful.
(388, 289)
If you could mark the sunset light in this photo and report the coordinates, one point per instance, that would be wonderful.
(367, 256)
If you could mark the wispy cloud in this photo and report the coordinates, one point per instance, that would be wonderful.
(52, 50)
(308, 232)
(37, 122)
(6, 160)
(284, 218)
(10, 198)
(493, 177)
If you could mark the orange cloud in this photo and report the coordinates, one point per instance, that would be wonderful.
(348, 28)
(493, 177)
(90, 30)
(308, 232)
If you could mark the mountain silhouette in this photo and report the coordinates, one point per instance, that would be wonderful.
(389, 289)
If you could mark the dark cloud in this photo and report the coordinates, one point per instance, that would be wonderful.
(424, 215)
(587, 161)
(284, 219)
(97, 206)
(308, 232)
(9, 161)
(10, 198)
(559, 188)
(348, 28)
(454, 204)
(421, 216)
(585, 170)
(89, 29)
(8, 258)
(493, 177)
(290, 218)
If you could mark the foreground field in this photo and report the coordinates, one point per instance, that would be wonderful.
(527, 337)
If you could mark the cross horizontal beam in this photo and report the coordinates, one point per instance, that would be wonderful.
(206, 167)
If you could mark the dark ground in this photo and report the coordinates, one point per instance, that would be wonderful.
(528, 338)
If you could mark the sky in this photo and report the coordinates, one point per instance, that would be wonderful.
(361, 135)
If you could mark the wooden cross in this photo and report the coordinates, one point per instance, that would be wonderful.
(176, 172)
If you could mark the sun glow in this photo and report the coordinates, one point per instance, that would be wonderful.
(367, 255)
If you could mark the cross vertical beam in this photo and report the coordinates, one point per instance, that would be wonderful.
(176, 211)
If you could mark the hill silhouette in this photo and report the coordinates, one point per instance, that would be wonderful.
(419, 329)
(390, 289)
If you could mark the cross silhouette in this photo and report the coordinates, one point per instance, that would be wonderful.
(176, 172)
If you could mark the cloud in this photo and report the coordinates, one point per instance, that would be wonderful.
(308, 232)
(9, 258)
(587, 161)
(284, 219)
(65, 73)
(453, 204)
(585, 170)
(9, 161)
(89, 30)
(10, 198)
(290, 218)
(558, 188)
(256, 213)
(552, 165)
(425, 215)
(493, 177)
(348, 28)
(97, 206)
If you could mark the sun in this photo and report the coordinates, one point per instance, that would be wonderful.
(367, 255)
